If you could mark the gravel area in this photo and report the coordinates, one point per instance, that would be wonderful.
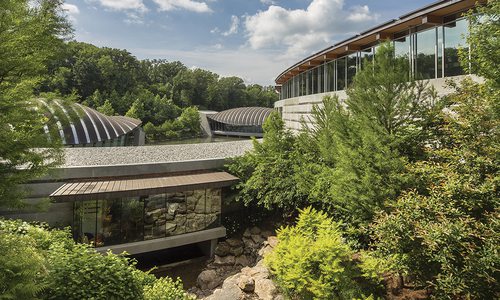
(153, 154)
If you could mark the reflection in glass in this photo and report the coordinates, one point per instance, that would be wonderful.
(84, 224)
(314, 81)
(402, 49)
(155, 216)
(352, 60)
(132, 220)
(330, 73)
(426, 54)
(341, 74)
(366, 57)
(454, 34)
(321, 79)
(195, 210)
(108, 222)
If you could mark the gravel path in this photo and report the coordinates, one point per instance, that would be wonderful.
(153, 154)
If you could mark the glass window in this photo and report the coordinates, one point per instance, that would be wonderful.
(352, 65)
(155, 216)
(426, 54)
(321, 79)
(454, 39)
(341, 73)
(330, 73)
(440, 42)
(132, 220)
(314, 81)
(84, 222)
(108, 222)
(366, 57)
(402, 49)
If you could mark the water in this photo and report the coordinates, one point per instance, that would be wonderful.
(199, 140)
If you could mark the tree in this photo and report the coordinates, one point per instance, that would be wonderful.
(106, 108)
(267, 172)
(31, 34)
(444, 232)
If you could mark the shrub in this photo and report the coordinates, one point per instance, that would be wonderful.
(40, 263)
(312, 260)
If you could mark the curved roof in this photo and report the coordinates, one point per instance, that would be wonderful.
(89, 126)
(436, 10)
(243, 116)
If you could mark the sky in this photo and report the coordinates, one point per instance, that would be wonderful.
(252, 39)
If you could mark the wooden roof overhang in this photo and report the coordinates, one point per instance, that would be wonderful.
(110, 189)
(429, 15)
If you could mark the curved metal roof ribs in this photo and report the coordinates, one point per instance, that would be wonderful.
(90, 126)
(242, 116)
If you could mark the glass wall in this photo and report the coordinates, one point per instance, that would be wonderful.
(125, 220)
(454, 39)
(430, 53)
(426, 54)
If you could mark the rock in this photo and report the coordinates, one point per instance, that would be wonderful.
(272, 241)
(208, 280)
(243, 260)
(249, 243)
(246, 284)
(224, 261)
(266, 234)
(255, 230)
(222, 249)
(247, 233)
(234, 242)
(236, 251)
(265, 250)
(230, 293)
(265, 289)
(170, 227)
(256, 238)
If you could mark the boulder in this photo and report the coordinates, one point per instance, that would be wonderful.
(255, 230)
(208, 280)
(222, 249)
(230, 293)
(257, 239)
(265, 289)
(272, 241)
(237, 251)
(234, 242)
(243, 260)
(265, 250)
(247, 233)
(265, 234)
(246, 284)
(224, 261)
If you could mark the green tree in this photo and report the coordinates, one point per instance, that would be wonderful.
(267, 172)
(31, 34)
(444, 233)
(106, 108)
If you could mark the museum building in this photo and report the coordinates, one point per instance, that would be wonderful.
(429, 38)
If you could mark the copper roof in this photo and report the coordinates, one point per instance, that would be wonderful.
(92, 190)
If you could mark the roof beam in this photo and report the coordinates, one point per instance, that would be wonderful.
(432, 20)
(352, 48)
(383, 36)
(329, 56)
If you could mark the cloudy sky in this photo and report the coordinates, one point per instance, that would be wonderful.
(253, 39)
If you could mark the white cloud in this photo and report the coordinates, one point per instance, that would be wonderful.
(303, 31)
(137, 5)
(71, 10)
(268, 2)
(195, 6)
(233, 29)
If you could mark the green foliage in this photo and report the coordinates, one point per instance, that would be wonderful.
(312, 261)
(188, 124)
(106, 108)
(445, 233)
(166, 289)
(31, 33)
(267, 172)
(48, 264)
(484, 33)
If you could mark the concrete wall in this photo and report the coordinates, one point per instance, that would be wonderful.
(293, 110)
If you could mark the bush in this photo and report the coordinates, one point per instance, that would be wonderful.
(40, 263)
(445, 233)
(312, 260)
